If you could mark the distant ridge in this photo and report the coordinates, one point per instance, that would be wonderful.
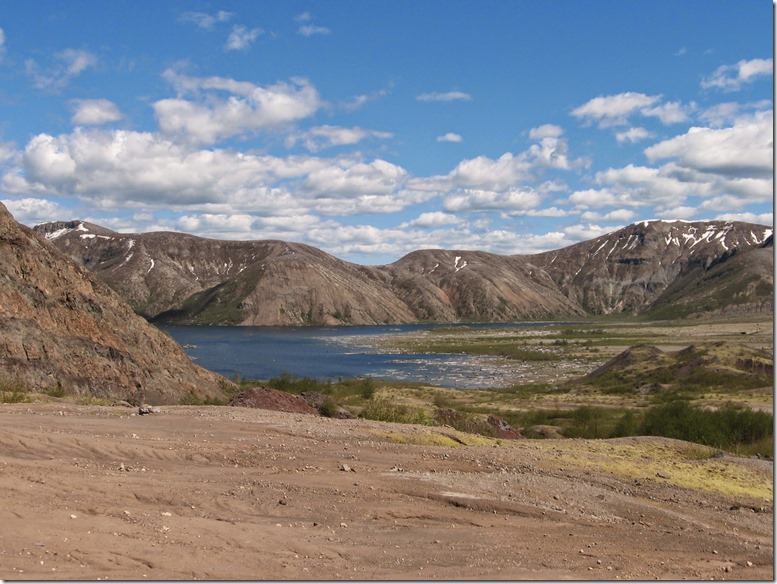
(649, 268)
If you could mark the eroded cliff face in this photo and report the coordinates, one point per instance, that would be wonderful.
(61, 326)
(179, 278)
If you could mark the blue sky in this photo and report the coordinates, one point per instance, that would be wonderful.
(373, 128)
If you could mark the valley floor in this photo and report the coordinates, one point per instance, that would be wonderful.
(196, 492)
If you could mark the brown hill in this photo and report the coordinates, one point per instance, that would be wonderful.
(174, 277)
(61, 327)
(699, 367)
(628, 270)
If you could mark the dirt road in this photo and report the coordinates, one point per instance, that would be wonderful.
(93, 492)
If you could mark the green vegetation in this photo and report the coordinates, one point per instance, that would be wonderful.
(385, 410)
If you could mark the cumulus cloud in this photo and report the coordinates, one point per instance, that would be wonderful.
(321, 137)
(450, 137)
(511, 200)
(204, 20)
(32, 211)
(57, 74)
(356, 178)
(614, 110)
(742, 150)
(618, 215)
(447, 96)
(433, 219)
(208, 117)
(241, 38)
(733, 77)
(587, 231)
(632, 135)
(93, 112)
(546, 131)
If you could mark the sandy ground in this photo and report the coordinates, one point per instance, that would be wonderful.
(95, 492)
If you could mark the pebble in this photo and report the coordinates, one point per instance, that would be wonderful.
(73, 517)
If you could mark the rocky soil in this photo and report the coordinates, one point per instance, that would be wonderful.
(98, 492)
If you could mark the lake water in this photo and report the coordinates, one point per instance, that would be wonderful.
(331, 353)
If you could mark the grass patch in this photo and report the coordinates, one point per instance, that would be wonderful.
(384, 410)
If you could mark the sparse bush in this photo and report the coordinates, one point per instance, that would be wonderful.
(382, 410)
(367, 390)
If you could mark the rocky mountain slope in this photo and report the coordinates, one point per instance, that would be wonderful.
(647, 266)
(62, 329)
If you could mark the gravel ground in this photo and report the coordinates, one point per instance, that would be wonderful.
(92, 492)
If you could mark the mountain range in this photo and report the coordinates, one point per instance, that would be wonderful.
(660, 269)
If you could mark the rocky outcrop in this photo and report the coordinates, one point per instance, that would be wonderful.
(62, 328)
(178, 278)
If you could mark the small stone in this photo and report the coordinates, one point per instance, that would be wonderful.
(749, 564)
(166, 514)
(343, 525)
(663, 475)
(282, 502)
(346, 468)
(73, 517)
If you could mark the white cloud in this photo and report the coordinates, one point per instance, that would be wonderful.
(349, 178)
(742, 150)
(448, 96)
(208, 118)
(619, 215)
(483, 200)
(204, 20)
(669, 113)
(32, 211)
(547, 212)
(733, 77)
(586, 232)
(307, 30)
(546, 131)
(632, 135)
(450, 137)
(2, 44)
(680, 212)
(93, 112)
(66, 65)
(132, 169)
(614, 110)
(322, 137)
(240, 39)
(433, 219)
(760, 218)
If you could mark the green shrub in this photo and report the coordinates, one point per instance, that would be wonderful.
(367, 389)
(727, 427)
(382, 410)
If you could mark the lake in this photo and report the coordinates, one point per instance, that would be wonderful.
(331, 353)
